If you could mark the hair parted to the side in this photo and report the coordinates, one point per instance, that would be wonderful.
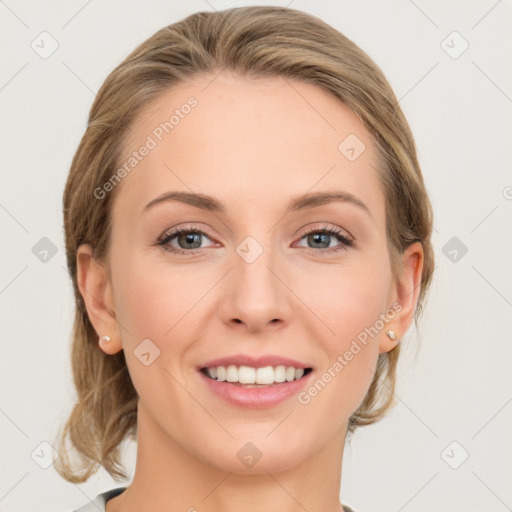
(256, 42)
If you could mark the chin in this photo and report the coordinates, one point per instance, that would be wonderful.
(246, 457)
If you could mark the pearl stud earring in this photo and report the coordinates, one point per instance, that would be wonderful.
(106, 339)
(391, 335)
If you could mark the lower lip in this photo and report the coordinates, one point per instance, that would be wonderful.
(257, 398)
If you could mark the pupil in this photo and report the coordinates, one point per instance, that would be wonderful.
(319, 235)
(189, 238)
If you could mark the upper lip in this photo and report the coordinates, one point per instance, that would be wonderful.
(256, 362)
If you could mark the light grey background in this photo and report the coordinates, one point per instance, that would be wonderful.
(456, 387)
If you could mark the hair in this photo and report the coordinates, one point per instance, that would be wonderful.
(255, 42)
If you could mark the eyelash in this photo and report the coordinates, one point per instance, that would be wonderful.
(337, 233)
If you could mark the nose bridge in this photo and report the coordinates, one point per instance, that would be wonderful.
(253, 261)
(256, 295)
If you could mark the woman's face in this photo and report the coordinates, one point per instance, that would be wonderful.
(260, 279)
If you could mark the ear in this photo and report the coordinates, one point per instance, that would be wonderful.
(96, 291)
(404, 294)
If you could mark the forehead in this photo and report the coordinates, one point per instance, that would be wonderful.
(248, 140)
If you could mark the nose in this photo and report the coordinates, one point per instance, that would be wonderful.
(256, 296)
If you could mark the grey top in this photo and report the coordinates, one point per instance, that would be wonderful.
(98, 504)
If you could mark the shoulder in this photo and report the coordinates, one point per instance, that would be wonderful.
(98, 504)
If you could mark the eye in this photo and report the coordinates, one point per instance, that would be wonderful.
(188, 239)
(321, 238)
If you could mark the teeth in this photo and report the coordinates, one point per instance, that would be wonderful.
(248, 375)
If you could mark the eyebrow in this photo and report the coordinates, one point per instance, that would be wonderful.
(302, 202)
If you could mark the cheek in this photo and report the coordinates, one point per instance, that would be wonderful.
(146, 304)
(151, 305)
(152, 296)
(348, 299)
(154, 307)
(350, 302)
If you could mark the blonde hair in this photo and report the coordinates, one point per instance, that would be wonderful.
(256, 42)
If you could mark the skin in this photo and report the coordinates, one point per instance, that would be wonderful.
(253, 144)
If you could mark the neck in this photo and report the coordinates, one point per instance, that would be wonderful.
(169, 478)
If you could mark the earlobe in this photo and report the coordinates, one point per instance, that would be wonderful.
(407, 289)
(389, 341)
(95, 288)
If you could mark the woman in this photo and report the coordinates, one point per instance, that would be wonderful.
(248, 237)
